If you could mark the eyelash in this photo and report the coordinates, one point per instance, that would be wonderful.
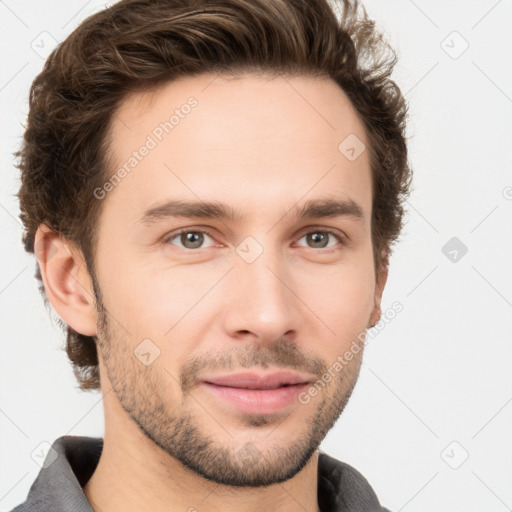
(340, 238)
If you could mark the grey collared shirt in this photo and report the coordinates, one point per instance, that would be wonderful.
(72, 461)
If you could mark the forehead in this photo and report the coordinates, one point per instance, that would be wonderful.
(250, 139)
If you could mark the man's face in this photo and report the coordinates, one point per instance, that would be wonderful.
(263, 292)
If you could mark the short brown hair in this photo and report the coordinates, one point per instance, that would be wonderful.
(138, 45)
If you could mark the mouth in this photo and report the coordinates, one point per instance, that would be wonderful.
(281, 385)
(251, 380)
(257, 393)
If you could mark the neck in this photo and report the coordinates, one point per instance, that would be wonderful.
(135, 474)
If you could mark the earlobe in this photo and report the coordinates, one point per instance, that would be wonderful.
(66, 280)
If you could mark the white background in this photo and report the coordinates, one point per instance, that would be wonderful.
(439, 372)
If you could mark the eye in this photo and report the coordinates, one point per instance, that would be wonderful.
(194, 239)
(190, 239)
(320, 239)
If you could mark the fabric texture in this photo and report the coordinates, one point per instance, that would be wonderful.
(72, 460)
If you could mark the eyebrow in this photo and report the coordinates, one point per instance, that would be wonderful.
(312, 209)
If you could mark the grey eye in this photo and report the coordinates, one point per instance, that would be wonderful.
(189, 239)
(319, 239)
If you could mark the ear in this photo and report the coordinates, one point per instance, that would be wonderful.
(66, 280)
(380, 283)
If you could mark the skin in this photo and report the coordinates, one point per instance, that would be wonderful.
(263, 146)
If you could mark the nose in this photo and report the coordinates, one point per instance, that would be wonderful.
(260, 302)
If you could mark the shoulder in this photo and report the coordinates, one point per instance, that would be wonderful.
(68, 465)
(341, 487)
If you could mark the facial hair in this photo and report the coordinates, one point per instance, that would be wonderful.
(141, 393)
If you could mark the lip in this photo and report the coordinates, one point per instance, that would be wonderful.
(257, 401)
(257, 393)
(251, 380)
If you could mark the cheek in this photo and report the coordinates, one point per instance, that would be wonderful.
(342, 298)
(150, 299)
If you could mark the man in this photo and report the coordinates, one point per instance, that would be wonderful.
(212, 190)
